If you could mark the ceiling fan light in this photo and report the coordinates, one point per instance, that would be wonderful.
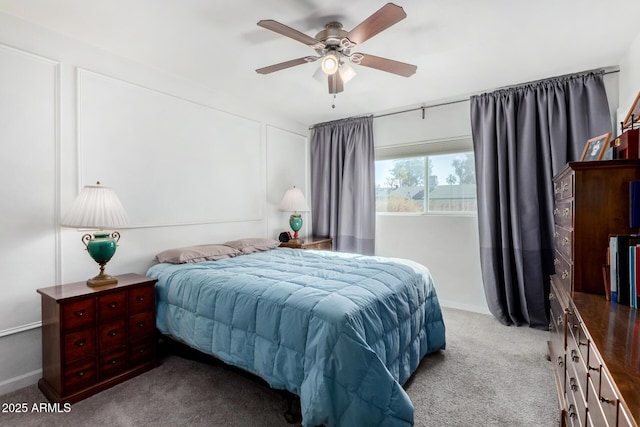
(330, 63)
(347, 73)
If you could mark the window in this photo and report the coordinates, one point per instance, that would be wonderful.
(438, 181)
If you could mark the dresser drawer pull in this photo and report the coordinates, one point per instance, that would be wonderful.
(581, 343)
(80, 313)
(556, 261)
(81, 373)
(565, 274)
(566, 212)
(605, 400)
(556, 211)
(140, 324)
(80, 343)
(112, 305)
(140, 298)
(560, 361)
(573, 384)
(113, 332)
(574, 356)
(591, 368)
(572, 411)
(556, 234)
(142, 350)
(565, 241)
(113, 361)
(559, 321)
(552, 296)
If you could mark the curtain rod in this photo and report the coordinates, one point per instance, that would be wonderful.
(609, 70)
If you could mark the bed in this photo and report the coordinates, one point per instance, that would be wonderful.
(341, 331)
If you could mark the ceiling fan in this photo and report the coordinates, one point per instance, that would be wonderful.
(333, 46)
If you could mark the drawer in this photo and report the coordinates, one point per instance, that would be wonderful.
(141, 326)
(79, 344)
(112, 334)
(595, 416)
(141, 299)
(624, 420)
(608, 397)
(564, 242)
(564, 271)
(112, 306)
(142, 352)
(80, 375)
(563, 187)
(79, 314)
(112, 363)
(563, 213)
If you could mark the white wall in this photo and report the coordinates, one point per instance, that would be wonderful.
(443, 243)
(629, 80)
(190, 168)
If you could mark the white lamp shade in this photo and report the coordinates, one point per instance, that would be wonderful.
(293, 201)
(96, 207)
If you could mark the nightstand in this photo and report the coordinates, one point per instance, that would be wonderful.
(317, 243)
(95, 338)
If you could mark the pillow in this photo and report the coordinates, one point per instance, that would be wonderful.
(190, 254)
(248, 246)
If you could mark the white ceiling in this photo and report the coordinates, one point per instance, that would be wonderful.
(461, 47)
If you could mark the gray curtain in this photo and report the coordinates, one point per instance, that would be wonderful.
(522, 137)
(343, 184)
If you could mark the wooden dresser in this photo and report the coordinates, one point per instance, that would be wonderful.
(594, 345)
(94, 338)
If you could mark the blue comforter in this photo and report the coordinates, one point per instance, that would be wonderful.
(341, 331)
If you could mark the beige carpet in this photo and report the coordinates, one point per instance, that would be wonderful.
(489, 375)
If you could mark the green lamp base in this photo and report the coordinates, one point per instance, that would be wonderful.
(101, 246)
(295, 222)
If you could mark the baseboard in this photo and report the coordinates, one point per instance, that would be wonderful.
(16, 383)
(466, 307)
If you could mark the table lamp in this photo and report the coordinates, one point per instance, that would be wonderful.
(97, 207)
(294, 201)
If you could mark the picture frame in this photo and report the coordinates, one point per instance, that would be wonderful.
(595, 148)
(634, 113)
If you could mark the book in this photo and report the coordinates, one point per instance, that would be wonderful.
(623, 285)
(613, 267)
(632, 275)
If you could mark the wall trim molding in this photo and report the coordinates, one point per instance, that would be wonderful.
(20, 328)
(16, 383)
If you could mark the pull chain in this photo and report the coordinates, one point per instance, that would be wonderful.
(334, 101)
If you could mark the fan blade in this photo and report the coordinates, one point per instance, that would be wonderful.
(384, 64)
(286, 64)
(385, 17)
(279, 28)
(335, 83)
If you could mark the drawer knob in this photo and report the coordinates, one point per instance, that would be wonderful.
(140, 298)
(80, 343)
(591, 368)
(113, 332)
(565, 241)
(142, 350)
(574, 356)
(560, 321)
(112, 305)
(80, 313)
(565, 274)
(560, 361)
(81, 373)
(113, 361)
(556, 261)
(140, 324)
(573, 384)
(555, 211)
(572, 411)
(605, 400)
(566, 212)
